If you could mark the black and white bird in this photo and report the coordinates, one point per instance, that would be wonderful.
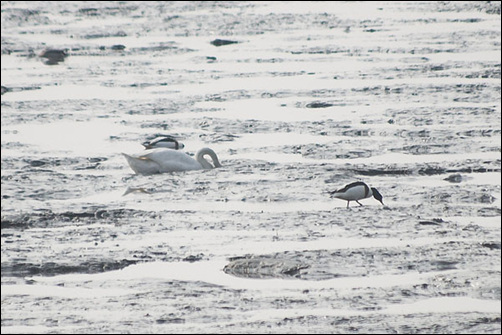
(355, 192)
(163, 142)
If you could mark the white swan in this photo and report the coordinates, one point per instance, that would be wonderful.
(162, 160)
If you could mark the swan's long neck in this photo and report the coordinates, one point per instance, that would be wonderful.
(205, 164)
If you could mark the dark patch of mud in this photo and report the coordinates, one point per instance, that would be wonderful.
(47, 218)
(469, 166)
(20, 269)
(263, 267)
(377, 324)
(323, 265)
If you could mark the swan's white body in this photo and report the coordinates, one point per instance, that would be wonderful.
(163, 160)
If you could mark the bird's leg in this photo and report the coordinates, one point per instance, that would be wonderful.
(359, 203)
(348, 203)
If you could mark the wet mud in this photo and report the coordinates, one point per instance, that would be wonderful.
(297, 99)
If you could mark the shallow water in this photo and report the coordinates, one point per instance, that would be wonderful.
(402, 95)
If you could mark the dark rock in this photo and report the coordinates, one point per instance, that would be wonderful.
(218, 43)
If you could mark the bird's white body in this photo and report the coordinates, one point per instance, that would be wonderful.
(163, 160)
(163, 142)
(355, 192)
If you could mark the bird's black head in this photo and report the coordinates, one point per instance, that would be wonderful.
(377, 195)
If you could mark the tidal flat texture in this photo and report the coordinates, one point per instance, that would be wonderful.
(297, 99)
